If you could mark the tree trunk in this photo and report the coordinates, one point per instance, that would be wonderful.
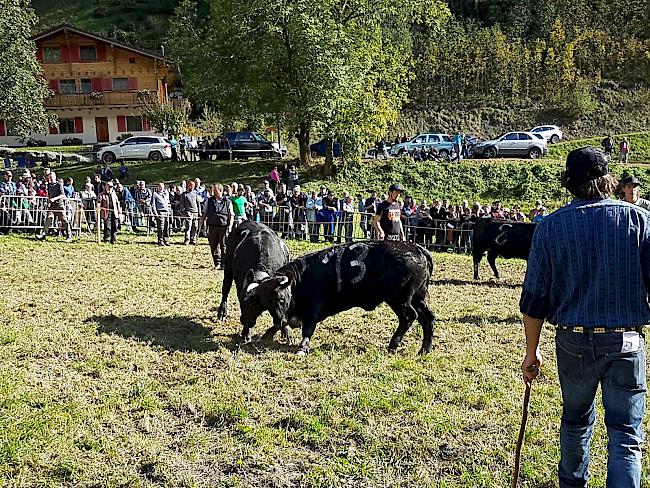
(303, 143)
(329, 157)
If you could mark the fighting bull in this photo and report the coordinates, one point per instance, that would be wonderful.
(505, 238)
(253, 252)
(363, 274)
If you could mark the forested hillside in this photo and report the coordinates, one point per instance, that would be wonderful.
(493, 64)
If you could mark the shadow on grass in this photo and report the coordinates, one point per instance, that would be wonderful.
(488, 319)
(490, 284)
(181, 334)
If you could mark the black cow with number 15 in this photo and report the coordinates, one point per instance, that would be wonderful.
(363, 274)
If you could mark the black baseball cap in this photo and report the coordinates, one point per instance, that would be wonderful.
(585, 164)
(630, 180)
(395, 187)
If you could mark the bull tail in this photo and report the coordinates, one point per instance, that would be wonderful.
(430, 264)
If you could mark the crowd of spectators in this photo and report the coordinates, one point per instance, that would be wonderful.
(279, 202)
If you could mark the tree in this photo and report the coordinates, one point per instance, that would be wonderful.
(164, 117)
(337, 65)
(23, 90)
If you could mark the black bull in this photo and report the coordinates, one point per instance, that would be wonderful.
(253, 252)
(362, 274)
(505, 238)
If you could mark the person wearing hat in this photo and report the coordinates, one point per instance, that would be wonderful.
(388, 222)
(589, 276)
(630, 190)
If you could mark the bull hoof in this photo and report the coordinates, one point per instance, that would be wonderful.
(301, 352)
(424, 351)
(246, 339)
(392, 350)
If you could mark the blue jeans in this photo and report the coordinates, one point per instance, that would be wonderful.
(584, 361)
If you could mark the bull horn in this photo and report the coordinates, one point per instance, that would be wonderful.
(251, 287)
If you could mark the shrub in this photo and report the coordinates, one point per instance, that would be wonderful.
(72, 141)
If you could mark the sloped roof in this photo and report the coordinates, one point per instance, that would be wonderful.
(65, 27)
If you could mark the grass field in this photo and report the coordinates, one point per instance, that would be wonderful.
(114, 372)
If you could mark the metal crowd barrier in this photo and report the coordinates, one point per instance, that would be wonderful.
(30, 212)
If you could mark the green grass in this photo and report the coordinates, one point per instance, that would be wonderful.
(114, 372)
(639, 143)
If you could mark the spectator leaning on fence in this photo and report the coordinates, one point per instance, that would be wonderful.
(56, 209)
(219, 215)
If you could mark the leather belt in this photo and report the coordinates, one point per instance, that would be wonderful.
(599, 330)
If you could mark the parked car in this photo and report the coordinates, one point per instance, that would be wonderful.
(440, 142)
(512, 144)
(552, 133)
(154, 148)
(318, 149)
(252, 144)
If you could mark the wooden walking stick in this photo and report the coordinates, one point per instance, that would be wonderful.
(522, 429)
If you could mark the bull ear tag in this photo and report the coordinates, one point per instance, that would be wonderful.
(283, 281)
(251, 287)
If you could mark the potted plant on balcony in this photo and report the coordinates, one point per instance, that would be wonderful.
(96, 95)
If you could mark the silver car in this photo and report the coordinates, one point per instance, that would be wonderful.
(512, 144)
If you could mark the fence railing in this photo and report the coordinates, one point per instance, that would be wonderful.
(29, 213)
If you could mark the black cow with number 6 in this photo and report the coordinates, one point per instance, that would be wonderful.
(363, 274)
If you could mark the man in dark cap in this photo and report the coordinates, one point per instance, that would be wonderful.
(630, 192)
(589, 275)
(387, 222)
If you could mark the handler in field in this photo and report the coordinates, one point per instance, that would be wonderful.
(388, 216)
(589, 275)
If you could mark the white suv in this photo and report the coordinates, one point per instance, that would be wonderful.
(155, 148)
(552, 133)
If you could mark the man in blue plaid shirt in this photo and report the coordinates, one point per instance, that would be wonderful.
(589, 275)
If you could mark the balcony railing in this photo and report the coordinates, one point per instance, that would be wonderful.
(97, 98)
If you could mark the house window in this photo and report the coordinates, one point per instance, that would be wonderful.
(52, 54)
(133, 123)
(66, 126)
(86, 86)
(120, 84)
(88, 54)
(68, 87)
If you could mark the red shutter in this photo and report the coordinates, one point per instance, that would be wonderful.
(146, 125)
(2, 128)
(101, 52)
(121, 123)
(133, 83)
(54, 129)
(54, 85)
(65, 54)
(107, 84)
(75, 55)
(96, 84)
(78, 125)
(39, 54)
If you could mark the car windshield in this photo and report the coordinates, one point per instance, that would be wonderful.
(259, 137)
